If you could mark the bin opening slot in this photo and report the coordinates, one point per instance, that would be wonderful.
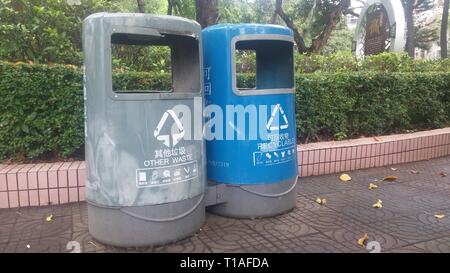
(245, 69)
(263, 64)
(152, 64)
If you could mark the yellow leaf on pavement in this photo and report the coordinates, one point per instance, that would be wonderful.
(372, 186)
(49, 218)
(439, 216)
(390, 178)
(345, 177)
(362, 241)
(378, 204)
(321, 201)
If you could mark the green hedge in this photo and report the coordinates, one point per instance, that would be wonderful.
(384, 62)
(353, 104)
(348, 105)
(41, 108)
(41, 111)
(41, 114)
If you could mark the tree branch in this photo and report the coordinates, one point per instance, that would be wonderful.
(141, 6)
(207, 12)
(273, 20)
(351, 12)
(169, 7)
(444, 29)
(335, 16)
(297, 36)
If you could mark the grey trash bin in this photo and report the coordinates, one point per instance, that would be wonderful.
(144, 152)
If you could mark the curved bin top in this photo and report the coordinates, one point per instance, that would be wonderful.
(241, 29)
(160, 22)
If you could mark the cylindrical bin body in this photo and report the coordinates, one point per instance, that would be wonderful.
(251, 145)
(144, 149)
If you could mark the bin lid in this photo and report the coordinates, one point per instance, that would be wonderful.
(238, 29)
(162, 23)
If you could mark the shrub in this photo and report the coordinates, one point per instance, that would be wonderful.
(340, 62)
(41, 107)
(384, 62)
(41, 111)
(370, 103)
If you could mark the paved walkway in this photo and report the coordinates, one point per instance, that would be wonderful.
(406, 223)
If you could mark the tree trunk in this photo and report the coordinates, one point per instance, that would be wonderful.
(207, 12)
(141, 6)
(170, 5)
(444, 30)
(320, 41)
(273, 20)
(335, 16)
(297, 37)
(410, 33)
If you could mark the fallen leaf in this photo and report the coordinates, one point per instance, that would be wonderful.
(362, 241)
(321, 201)
(377, 139)
(378, 204)
(394, 169)
(414, 172)
(439, 216)
(345, 177)
(390, 178)
(28, 246)
(443, 174)
(372, 186)
(49, 218)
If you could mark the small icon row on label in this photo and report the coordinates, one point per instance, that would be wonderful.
(157, 174)
(279, 154)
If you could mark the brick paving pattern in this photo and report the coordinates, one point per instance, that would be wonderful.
(406, 223)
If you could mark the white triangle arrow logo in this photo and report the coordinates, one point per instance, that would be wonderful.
(276, 109)
(166, 138)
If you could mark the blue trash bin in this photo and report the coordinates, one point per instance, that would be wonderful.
(258, 169)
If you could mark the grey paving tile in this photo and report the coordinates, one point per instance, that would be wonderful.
(231, 237)
(280, 228)
(315, 243)
(413, 229)
(407, 249)
(405, 224)
(349, 237)
(441, 245)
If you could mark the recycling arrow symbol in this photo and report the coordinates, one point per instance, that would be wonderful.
(276, 109)
(176, 137)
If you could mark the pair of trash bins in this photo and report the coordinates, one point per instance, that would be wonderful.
(150, 171)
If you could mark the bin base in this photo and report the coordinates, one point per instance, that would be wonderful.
(146, 225)
(257, 201)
